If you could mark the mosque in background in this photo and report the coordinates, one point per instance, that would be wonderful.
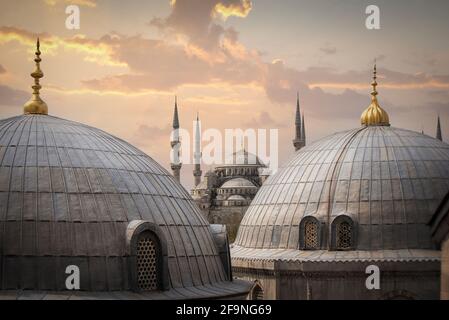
(225, 192)
(346, 205)
(74, 195)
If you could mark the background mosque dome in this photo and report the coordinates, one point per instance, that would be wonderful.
(238, 183)
(236, 197)
(71, 194)
(388, 181)
(243, 158)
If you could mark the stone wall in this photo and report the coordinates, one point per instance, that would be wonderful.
(338, 281)
(229, 216)
(445, 269)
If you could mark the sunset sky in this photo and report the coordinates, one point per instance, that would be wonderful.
(238, 63)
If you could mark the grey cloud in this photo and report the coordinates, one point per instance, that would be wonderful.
(263, 120)
(328, 49)
(195, 19)
(12, 97)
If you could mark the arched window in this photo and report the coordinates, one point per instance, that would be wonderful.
(148, 260)
(146, 248)
(310, 233)
(257, 292)
(343, 233)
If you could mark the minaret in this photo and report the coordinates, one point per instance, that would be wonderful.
(303, 131)
(36, 105)
(197, 153)
(299, 140)
(176, 145)
(439, 136)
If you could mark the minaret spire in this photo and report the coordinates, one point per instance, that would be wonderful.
(299, 140)
(175, 115)
(36, 105)
(176, 145)
(439, 136)
(197, 152)
(303, 130)
(298, 117)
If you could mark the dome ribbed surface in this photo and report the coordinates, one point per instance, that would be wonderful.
(238, 183)
(388, 180)
(67, 194)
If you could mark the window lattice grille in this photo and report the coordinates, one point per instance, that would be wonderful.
(311, 235)
(344, 235)
(257, 293)
(147, 264)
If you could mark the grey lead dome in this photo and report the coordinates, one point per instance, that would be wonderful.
(388, 180)
(68, 193)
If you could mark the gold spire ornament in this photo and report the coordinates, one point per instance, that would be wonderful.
(374, 115)
(36, 105)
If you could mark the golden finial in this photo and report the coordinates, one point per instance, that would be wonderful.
(374, 115)
(36, 105)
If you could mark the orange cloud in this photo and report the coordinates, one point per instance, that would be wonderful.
(218, 100)
(106, 92)
(227, 9)
(435, 84)
(97, 51)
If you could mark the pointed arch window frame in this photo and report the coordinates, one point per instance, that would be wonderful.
(134, 231)
(334, 232)
(302, 232)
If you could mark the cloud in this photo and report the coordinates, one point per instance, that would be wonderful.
(150, 136)
(157, 64)
(2, 69)
(211, 55)
(282, 83)
(196, 20)
(328, 49)
(85, 3)
(229, 8)
(356, 80)
(263, 120)
(99, 51)
(12, 97)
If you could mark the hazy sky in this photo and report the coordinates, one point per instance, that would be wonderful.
(238, 63)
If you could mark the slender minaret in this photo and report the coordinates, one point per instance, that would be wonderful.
(303, 131)
(175, 145)
(197, 153)
(299, 140)
(439, 136)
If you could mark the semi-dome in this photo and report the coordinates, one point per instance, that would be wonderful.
(386, 180)
(243, 158)
(238, 183)
(236, 197)
(73, 195)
